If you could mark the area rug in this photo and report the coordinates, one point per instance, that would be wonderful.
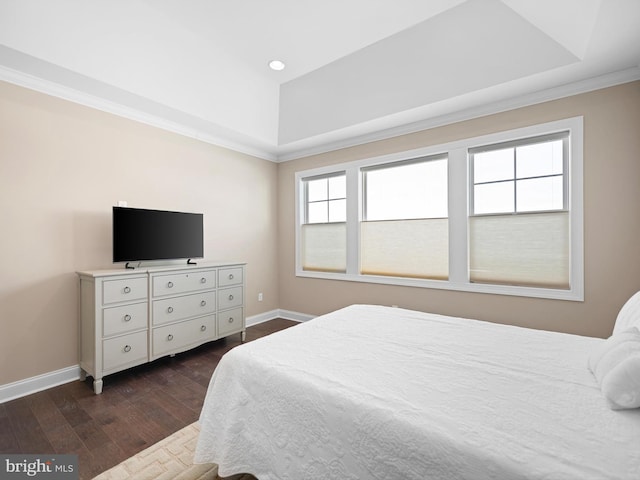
(169, 459)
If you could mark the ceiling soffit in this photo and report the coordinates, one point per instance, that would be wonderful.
(473, 46)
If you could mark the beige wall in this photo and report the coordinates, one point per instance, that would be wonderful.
(612, 222)
(62, 167)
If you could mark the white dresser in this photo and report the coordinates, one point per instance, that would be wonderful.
(130, 317)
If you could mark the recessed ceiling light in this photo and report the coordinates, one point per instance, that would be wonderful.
(276, 65)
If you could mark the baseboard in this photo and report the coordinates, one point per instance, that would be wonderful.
(278, 313)
(296, 316)
(25, 387)
(261, 318)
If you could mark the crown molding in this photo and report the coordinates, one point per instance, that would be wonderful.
(207, 135)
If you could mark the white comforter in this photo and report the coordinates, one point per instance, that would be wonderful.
(371, 392)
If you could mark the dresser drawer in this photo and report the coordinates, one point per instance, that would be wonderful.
(124, 290)
(178, 336)
(125, 318)
(229, 297)
(184, 282)
(125, 350)
(230, 276)
(179, 308)
(230, 321)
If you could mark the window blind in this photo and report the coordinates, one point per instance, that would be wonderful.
(324, 247)
(405, 248)
(524, 249)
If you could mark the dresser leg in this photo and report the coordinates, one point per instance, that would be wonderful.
(97, 386)
(243, 336)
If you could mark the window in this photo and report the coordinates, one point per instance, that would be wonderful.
(501, 213)
(326, 199)
(519, 219)
(324, 229)
(522, 176)
(404, 228)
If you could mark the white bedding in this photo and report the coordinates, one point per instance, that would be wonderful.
(372, 392)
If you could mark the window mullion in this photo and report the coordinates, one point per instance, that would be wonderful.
(458, 208)
(515, 180)
(565, 174)
(353, 220)
(327, 202)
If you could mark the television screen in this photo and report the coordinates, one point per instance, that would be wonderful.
(140, 234)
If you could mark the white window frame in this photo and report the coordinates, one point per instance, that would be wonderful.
(564, 136)
(458, 165)
(307, 202)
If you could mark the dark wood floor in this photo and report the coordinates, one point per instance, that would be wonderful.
(137, 408)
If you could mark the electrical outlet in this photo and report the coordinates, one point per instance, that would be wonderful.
(122, 203)
(260, 297)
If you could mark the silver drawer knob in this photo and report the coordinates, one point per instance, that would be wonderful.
(203, 280)
(203, 303)
(230, 320)
(126, 290)
(170, 309)
(230, 297)
(203, 328)
(127, 318)
(169, 337)
(127, 348)
(231, 276)
(170, 285)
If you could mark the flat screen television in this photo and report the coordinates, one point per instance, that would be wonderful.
(140, 234)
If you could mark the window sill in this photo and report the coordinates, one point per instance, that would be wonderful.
(575, 294)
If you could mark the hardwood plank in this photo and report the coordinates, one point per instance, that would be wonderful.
(8, 440)
(67, 404)
(60, 434)
(45, 410)
(99, 461)
(65, 440)
(29, 436)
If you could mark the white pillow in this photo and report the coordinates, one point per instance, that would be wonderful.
(616, 366)
(629, 314)
(611, 343)
(621, 386)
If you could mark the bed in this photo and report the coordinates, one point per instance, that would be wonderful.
(373, 392)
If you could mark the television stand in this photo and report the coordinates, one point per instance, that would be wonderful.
(189, 262)
(132, 317)
(129, 267)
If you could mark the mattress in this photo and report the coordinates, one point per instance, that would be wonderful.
(371, 392)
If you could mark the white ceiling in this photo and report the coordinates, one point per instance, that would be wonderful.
(356, 70)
